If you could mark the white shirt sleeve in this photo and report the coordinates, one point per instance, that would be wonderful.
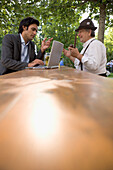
(76, 63)
(36, 50)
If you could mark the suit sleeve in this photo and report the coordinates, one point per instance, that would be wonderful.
(40, 55)
(7, 56)
(33, 52)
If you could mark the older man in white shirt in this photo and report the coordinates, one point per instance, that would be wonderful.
(93, 55)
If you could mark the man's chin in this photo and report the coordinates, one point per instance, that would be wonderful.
(81, 40)
(32, 38)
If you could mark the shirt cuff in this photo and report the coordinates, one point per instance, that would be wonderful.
(76, 62)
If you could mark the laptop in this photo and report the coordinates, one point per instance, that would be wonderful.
(54, 58)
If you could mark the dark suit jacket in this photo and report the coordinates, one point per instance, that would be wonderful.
(11, 54)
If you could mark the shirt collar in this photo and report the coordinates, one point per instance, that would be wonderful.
(22, 40)
(87, 42)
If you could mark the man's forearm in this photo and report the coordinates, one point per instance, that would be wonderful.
(13, 64)
(40, 55)
(72, 58)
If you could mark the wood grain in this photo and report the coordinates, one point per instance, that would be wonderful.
(56, 119)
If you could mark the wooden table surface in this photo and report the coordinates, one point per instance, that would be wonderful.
(56, 119)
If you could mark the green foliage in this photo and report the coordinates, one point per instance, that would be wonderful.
(12, 12)
(109, 44)
(63, 11)
(111, 75)
(0, 45)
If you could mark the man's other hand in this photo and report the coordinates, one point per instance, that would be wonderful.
(35, 62)
(45, 44)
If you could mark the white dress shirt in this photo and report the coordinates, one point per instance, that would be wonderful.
(24, 51)
(94, 60)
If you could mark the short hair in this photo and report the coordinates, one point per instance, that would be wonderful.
(27, 22)
(92, 32)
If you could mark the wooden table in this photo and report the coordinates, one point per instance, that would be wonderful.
(56, 119)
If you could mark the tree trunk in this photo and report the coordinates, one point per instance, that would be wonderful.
(102, 22)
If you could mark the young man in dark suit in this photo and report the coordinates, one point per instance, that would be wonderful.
(18, 51)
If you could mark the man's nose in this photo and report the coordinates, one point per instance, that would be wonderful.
(35, 32)
(78, 34)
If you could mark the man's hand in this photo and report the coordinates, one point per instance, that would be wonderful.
(45, 44)
(75, 53)
(66, 53)
(35, 62)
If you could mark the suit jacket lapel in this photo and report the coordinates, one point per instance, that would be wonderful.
(31, 49)
(19, 46)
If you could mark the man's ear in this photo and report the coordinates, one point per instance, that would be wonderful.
(90, 31)
(24, 28)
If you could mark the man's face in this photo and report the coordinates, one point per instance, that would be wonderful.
(84, 35)
(29, 34)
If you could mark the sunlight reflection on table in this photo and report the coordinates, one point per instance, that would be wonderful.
(44, 120)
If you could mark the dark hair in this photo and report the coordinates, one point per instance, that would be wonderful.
(27, 22)
(92, 32)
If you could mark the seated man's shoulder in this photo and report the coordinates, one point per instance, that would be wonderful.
(11, 36)
(98, 43)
